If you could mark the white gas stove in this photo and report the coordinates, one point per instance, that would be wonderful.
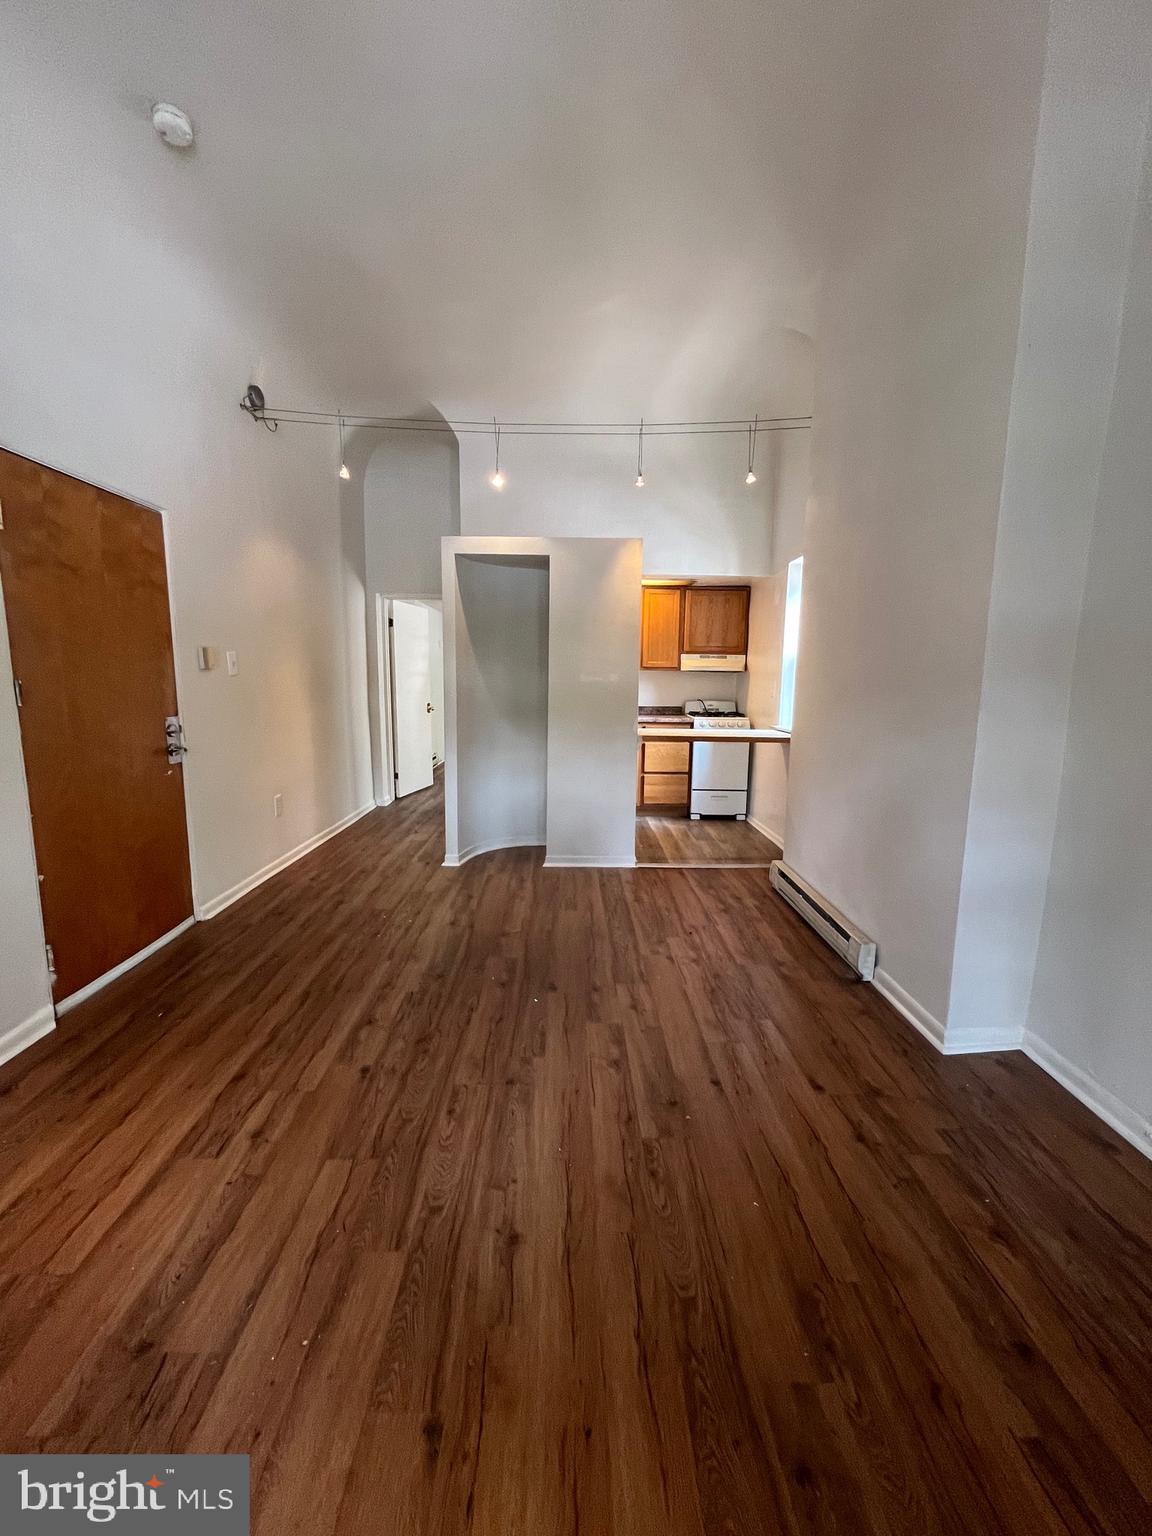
(716, 715)
(719, 768)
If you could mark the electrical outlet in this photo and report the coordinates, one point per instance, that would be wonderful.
(277, 805)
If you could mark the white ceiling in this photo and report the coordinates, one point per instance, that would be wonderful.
(569, 207)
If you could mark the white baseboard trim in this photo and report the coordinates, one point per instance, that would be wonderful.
(101, 982)
(474, 850)
(971, 1043)
(22, 1035)
(383, 801)
(773, 837)
(587, 861)
(1123, 1119)
(218, 903)
(904, 1003)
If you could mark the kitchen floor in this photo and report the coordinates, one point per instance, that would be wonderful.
(714, 841)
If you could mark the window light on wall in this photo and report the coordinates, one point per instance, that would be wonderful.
(791, 643)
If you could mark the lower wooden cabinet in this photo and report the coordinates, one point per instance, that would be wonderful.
(664, 773)
(667, 756)
(664, 789)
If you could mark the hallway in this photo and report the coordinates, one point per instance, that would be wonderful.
(511, 1200)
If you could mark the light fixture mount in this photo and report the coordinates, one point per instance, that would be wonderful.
(173, 125)
(253, 403)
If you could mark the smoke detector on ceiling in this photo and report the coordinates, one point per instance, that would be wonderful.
(173, 126)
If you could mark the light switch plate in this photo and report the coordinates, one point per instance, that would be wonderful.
(233, 664)
(205, 660)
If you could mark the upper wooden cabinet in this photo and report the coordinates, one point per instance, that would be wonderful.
(716, 620)
(660, 624)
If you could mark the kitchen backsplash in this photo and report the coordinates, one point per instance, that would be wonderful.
(675, 687)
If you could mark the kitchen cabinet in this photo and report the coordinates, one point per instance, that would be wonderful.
(670, 789)
(664, 773)
(715, 620)
(661, 619)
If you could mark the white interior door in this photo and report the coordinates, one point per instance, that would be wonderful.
(412, 706)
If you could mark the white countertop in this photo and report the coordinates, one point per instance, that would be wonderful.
(690, 733)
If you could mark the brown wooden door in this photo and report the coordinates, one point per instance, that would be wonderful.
(660, 627)
(86, 596)
(716, 620)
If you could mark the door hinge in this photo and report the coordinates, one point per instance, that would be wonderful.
(391, 623)
(18, 689)
(396, 773)
(50, 956)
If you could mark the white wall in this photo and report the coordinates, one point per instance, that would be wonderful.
(768, 795)
(126, 348)
(1090, 148)
(1089, 1013)
(498, 721)
(789, 467)
(595, 639)
(915, 349)
(411, 502)
(695, 514)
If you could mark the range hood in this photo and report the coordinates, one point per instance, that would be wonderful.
(695, 661)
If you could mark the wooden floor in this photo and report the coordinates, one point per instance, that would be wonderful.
(677, 841)
(517, 1201)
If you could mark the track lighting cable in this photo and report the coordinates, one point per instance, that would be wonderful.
(290, 416)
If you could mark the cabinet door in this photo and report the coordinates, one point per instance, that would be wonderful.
(667, 756)
(716, 620)
(660, 627)
(664, 789)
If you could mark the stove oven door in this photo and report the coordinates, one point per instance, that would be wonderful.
(720, 765)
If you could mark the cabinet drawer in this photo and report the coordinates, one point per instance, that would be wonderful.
(664, 789)
(667, 756)
(719, 802)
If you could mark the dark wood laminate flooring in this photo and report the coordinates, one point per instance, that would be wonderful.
(713, 840)
(517, 1201)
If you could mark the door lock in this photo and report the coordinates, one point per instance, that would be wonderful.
(174, 739)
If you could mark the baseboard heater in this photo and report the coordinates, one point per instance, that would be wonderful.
(832, 926)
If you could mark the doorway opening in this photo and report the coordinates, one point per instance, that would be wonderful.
(410, 665)
(499, 741)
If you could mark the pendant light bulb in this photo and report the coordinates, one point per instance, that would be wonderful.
(750, 477)
(496, 479)
(343, 472)
(639, 481)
